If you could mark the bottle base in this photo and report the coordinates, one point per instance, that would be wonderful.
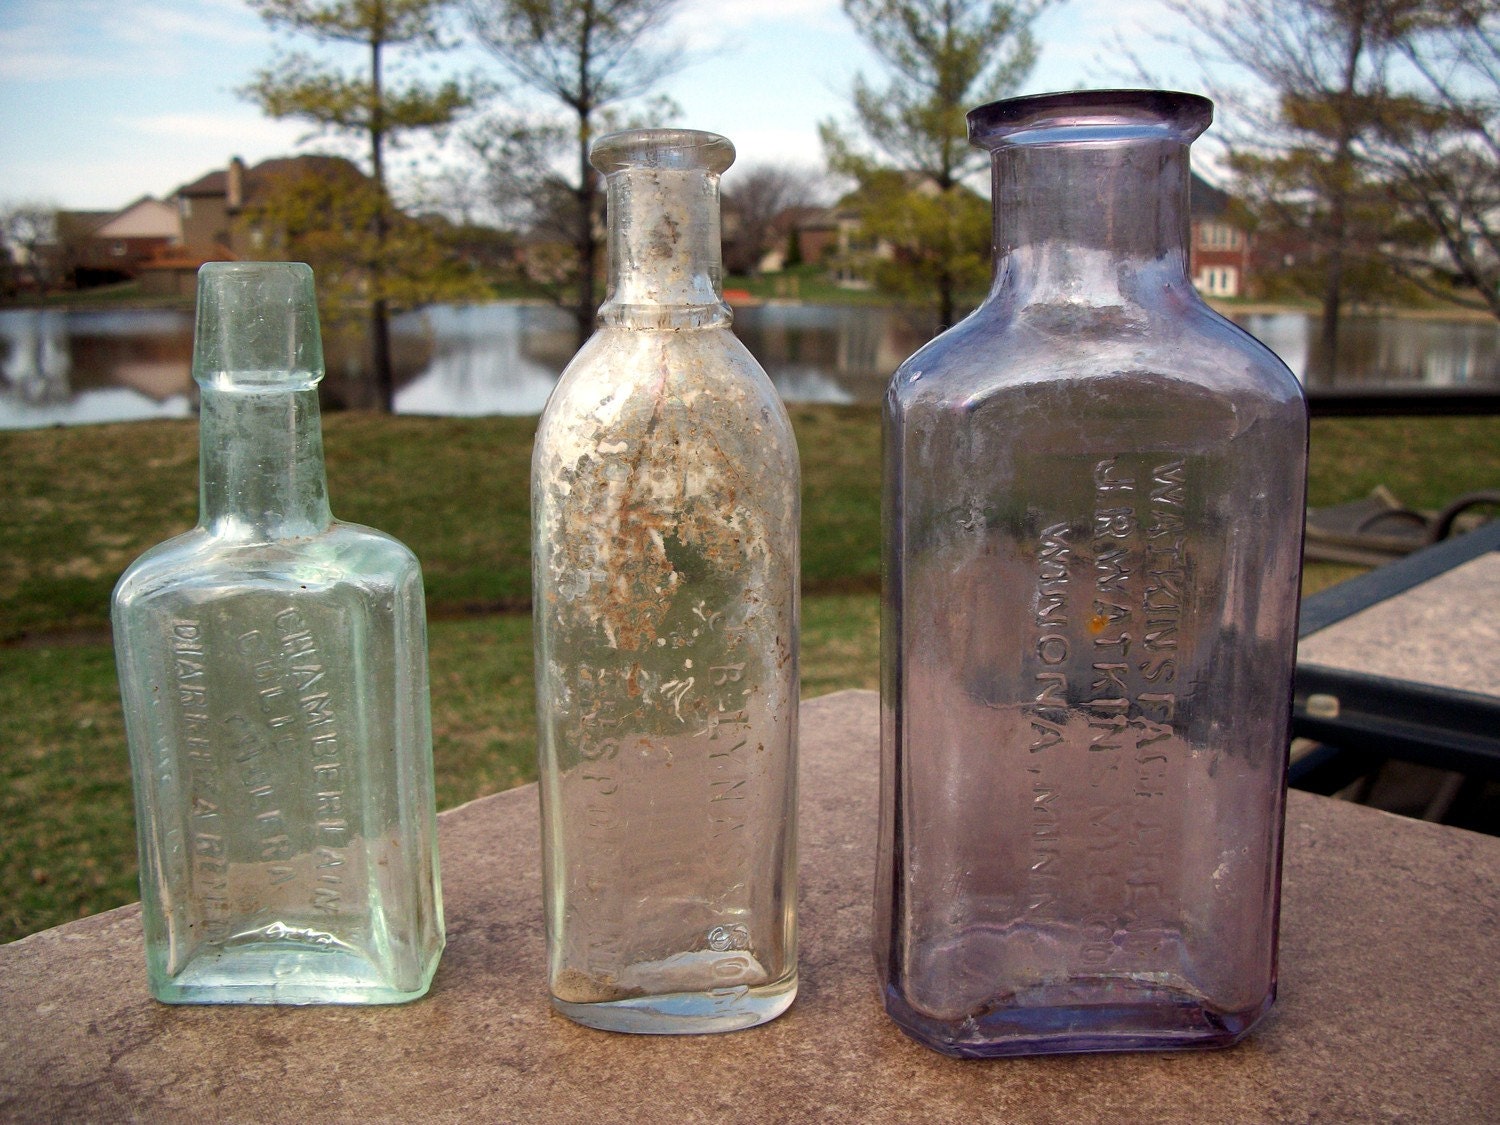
(1165, 1020)
(275, 975)
(732, 1008)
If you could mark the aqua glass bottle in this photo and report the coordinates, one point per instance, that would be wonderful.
(273, 668)
(665, 503)
(1093, 501)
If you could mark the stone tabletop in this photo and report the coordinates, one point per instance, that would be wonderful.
(1389, 1006)
(1444, 632)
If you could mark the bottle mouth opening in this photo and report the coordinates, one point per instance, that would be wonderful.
(1108, 116)
(672, 149)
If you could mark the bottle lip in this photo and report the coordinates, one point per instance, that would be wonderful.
(257, 327)
(672, 149)
(1090, 115)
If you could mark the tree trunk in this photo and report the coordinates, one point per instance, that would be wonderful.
(382, 370)
(1343, 187)
(587, 308)
(1333, 286)
(382, 377)
(946, 303)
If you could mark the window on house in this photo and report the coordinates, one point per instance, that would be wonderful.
(1218, 236)
(1218, 281)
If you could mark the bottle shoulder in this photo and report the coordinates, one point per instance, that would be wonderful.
(1178, 347)
(346, 536)
(617, 357)
(198, 565)
(701, 384)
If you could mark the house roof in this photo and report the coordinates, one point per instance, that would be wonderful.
(1206, 201)
(145, 218)
(309, 163)
(216, 184)
(79, 223)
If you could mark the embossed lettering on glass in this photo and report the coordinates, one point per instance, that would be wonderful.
(273, 667)
(1093, 505)
(665, 504)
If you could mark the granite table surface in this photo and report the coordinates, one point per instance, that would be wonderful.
(1444, 632)
(1389, 1006)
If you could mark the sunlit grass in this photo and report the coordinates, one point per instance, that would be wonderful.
(78, 504)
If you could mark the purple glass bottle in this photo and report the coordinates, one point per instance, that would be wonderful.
(1094, 497)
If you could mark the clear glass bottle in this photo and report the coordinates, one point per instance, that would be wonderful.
(665, 501)
(1093, 501)
(273, 667)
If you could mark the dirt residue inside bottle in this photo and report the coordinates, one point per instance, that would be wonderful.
(574, 987)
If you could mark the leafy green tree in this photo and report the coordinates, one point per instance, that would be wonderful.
(365, 104)
(324, 211)
(939, 240)
(944, 57)
(584, 57)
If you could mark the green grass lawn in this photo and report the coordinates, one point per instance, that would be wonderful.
(77, 505)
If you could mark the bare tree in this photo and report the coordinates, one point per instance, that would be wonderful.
(1438, 148)
(757, 196)
(28, 237)
(1370, 138)
(583, 56)
(1324, 66)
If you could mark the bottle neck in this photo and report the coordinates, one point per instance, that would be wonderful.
(261, 463)
(665, 268)
(1091, 224)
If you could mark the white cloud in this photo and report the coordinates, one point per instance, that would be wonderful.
(41, 42)
(248, 128)
(225, 23)
(83, 40)
(21, 60)
(797, 146)
(714, 24)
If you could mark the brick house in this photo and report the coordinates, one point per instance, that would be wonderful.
(208, 205)
(212, 208)
(97, 247)
(1218, 248)
(211, 213)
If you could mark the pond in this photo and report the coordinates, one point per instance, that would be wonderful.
(64, 367)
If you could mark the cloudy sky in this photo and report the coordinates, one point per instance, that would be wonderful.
(104, 101)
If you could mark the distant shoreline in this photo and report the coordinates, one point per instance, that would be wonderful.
(105, 302)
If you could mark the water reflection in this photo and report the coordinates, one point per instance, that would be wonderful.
(829, 353)
(1384, 351)
(66, 367)
(485, 359)
(505, 358)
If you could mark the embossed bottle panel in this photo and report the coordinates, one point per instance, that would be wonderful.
(1093, 504)
(273, 668)
(665, 494)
